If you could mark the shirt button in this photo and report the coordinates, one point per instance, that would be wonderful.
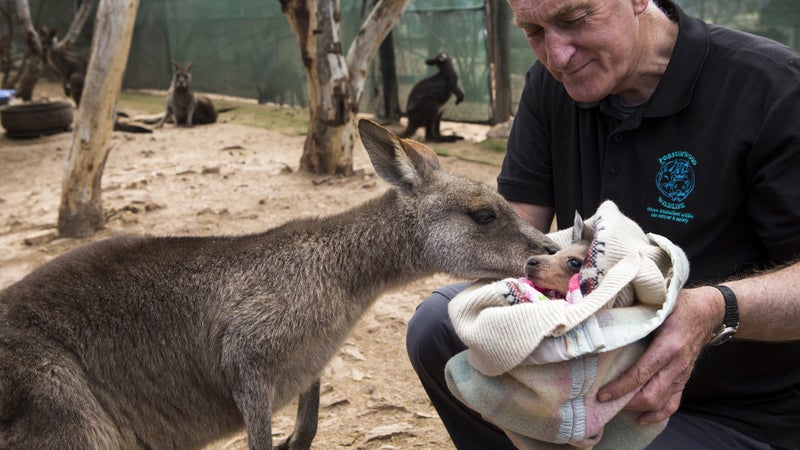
(617, 138)
(614, 169)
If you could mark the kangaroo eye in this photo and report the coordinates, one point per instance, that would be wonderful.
(574, 264)
(483, 216)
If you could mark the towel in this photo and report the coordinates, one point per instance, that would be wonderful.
(534, 367)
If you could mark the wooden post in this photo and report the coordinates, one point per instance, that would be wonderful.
(497, 19)
(81, 210)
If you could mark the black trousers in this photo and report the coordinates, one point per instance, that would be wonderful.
(431, 341)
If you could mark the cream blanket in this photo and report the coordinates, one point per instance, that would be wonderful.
(534, 368)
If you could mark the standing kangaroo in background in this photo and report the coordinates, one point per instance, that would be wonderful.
(183, 106)
(174, 342)
(70, 66)
(428, 97)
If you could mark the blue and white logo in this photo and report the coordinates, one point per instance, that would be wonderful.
(676, 178)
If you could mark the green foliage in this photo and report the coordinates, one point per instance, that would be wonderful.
(493, 145)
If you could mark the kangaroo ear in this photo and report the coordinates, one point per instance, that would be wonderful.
(402, 163)
(577, 228)
(189, 67)
(175, 65)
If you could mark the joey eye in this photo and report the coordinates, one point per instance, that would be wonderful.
(483, 216)
(574, 264)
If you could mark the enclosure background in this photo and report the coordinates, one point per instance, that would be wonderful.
(246, 47)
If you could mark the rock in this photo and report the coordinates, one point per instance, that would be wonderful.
(388, 431)
(41, 237)
(500, 131)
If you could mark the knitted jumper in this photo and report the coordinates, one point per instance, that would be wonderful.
(533, 368)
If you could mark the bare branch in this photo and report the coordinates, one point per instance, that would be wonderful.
(76, 26)
(376, 27)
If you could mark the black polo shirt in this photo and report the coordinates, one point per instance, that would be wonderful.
(711, 161)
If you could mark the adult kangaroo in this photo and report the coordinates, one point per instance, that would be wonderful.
(174, 342)
(426, 101)
(69, 65)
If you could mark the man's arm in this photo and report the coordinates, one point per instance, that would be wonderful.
(769, 309)
(540, 217)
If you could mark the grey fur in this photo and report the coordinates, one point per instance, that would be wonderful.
(173, 342)
(183, 106)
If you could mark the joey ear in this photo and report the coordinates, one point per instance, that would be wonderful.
(401, 163)
(577, 228)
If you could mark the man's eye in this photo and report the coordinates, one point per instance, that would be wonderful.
(533, 32)
(571, 23)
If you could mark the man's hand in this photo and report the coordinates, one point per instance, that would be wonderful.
(663, 370)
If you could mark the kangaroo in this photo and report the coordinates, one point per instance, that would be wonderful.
(175, 342)
(550, 274)
(427, 99)
(184, 107)
(69, 65)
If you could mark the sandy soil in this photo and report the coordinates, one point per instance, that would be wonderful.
(229, 178)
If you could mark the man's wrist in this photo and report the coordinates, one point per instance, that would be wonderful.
(730, 322)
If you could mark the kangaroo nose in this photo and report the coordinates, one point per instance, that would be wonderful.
(551, 250)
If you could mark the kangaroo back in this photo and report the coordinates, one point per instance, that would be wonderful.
(174, 342)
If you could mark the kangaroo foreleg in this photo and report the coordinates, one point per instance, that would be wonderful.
(305, 426)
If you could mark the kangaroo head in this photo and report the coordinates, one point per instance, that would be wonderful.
(47, 37)
(182, 76)
(463, 227)
(551, 273)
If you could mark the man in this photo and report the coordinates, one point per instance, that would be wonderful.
(692, 130)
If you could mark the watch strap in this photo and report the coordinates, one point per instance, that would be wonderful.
(730, 323)
(731, 307)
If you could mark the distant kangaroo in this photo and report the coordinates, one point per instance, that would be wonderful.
(69, 65)
(183, 106)
(174, 342)
(428, 97)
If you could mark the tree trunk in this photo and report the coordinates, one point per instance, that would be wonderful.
(335, 83)
(497, 20)
(33, 66)
(81, 210)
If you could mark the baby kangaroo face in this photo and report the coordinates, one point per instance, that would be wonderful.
(550, 274)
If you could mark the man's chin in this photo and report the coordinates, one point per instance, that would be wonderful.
(584, 95)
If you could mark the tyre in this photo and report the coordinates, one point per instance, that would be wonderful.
(36, 119)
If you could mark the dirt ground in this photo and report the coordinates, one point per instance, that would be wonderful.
(230, 178)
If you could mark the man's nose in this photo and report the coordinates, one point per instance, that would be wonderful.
(559, 49)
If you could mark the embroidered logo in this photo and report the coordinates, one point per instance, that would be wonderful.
(675, 181)
(675, 178)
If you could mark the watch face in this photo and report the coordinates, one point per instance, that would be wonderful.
(724, 336)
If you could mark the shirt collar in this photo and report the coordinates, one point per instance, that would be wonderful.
(674, 91)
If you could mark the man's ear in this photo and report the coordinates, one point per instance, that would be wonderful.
(639, 6)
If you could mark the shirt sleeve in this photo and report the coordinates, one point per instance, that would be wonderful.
(773, 170)
(526, 175)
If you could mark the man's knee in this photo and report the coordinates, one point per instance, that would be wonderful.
(431, 340)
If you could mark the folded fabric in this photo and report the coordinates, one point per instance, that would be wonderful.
(533, 367)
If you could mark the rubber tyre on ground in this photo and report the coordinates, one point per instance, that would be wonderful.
(36, 119)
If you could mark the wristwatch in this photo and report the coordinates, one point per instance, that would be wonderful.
(730, 324)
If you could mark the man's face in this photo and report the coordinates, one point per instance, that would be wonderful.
(591, 46)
